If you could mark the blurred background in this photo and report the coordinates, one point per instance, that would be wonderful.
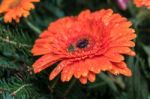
(17, 80)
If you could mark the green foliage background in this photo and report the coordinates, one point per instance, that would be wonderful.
(17, 80)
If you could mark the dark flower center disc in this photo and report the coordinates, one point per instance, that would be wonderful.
(82, 43)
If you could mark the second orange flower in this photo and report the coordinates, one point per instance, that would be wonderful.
(140, 3)
(15, 9)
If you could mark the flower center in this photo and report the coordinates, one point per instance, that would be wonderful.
(82, 43)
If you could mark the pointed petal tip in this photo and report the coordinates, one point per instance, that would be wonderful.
(83, 80)
(128, 73)
(51, 76)
(36, 70)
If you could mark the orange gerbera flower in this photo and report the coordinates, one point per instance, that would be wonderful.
(14, 9)
(140, 3)
(85, 45)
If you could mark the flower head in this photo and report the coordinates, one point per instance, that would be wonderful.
(15, 9)
(85, 45)
(140, 3)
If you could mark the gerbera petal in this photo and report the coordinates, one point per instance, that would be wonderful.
(58, 69)
(91, 77)
(7, 17)
(67, 73)
(121, 34)
(44, 62)
(44, 40)
(114, 57)
(120, 68)
(40, 49)
(124, 43)
(127, 38)
(131, 53)
(94, 65)
(98, 64)
(45, 34)
(119, 50)
(84, 14)
(83, 80)
(84, 68)
(28, 6)
(81, 69)
(77, 72)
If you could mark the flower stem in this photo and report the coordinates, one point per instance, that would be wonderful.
(33, 27)
(131, 8)
(69, 88)
(25, 85)
(53, 85)
(55, 82)
(14, 43)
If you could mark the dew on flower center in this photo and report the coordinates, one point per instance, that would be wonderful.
(82, 43)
